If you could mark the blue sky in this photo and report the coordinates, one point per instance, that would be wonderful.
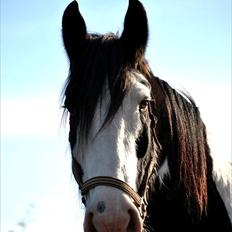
(189, 46)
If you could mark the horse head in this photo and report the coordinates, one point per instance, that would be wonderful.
(109, 99)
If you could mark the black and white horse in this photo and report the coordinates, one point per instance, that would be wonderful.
(139, 147)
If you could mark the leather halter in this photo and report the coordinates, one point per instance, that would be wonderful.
(139, 201)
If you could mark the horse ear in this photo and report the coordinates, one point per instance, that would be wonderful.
(73, 29)
(135, 34)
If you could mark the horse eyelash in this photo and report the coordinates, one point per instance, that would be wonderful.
(146, 101)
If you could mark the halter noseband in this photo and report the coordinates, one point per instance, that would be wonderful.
(139, 201)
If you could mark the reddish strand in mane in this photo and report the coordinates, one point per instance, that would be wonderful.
(183, 137)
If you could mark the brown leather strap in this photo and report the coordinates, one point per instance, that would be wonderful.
(112, 182)
(140, 202)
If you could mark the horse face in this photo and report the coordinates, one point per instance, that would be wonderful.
(111, 151)
(110, 148)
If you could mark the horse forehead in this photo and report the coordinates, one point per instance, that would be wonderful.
(140, 87)
(137, 77)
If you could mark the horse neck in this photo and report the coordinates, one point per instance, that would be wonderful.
(182, 135)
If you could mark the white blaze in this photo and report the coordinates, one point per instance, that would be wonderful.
(111, 151)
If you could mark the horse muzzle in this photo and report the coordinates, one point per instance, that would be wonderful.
(110, 209)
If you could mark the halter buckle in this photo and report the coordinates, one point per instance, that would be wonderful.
(143, 208)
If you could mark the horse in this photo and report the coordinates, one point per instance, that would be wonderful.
(139, 147)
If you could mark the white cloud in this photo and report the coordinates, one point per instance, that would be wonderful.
(58, 213)
(61, 212)
(10, 228)
(32, 116)
(214, 102)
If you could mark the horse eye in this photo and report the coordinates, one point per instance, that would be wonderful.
(143, 104)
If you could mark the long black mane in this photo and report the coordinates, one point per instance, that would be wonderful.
(187, 198)
(88, 77)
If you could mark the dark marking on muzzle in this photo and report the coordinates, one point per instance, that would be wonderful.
(101, 207)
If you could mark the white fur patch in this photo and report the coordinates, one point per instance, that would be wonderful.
(111, 151)
(163, 170)
(223, 178)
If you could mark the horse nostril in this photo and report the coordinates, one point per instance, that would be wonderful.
(135, 222)
(88, 223)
